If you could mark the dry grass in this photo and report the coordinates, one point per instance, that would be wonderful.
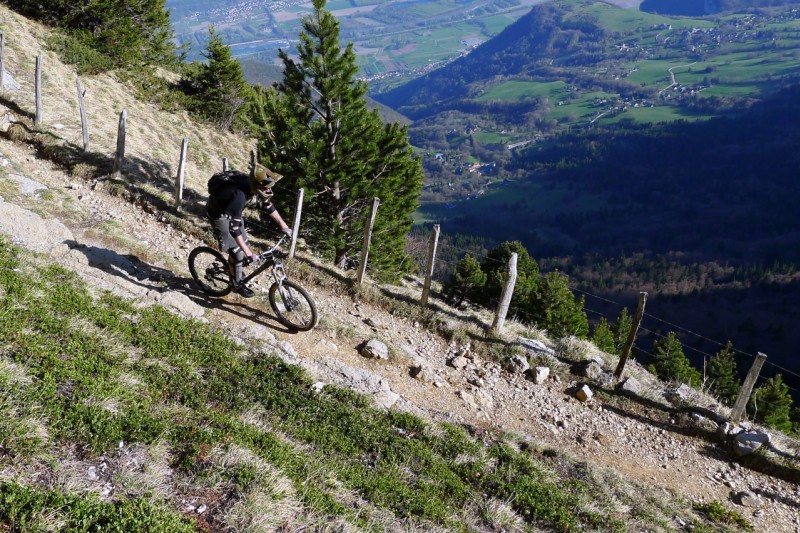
(153, 138)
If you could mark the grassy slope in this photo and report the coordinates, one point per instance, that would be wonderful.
(89, 381)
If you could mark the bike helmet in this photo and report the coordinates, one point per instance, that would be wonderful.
(262, 179)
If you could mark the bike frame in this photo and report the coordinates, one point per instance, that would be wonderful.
(278, 272)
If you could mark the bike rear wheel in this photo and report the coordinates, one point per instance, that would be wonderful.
(293, 306)
(210, 270)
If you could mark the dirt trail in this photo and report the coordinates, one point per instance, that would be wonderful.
(116, 246)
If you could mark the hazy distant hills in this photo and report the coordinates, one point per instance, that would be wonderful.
(695, 8)
(535, 44)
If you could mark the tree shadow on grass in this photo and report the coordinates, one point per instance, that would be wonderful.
(133, 270)
(146, 183)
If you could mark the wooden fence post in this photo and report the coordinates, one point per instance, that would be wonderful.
(123, 118)
(181, 172)
(426, 289)
(626, 350)
(747, 387)
(84, 124)
(362, 267)
(2, 59)
(38, 91)
(505, 295)
(224, 164)
(296, 225)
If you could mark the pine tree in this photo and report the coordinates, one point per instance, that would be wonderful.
(668, 361)
(556, 309)
(217, 89)
(133, 32)
(772, 404)
(621, 330)
(603, 336)
(467, 279)
(318, 133)
(721, 371)
(526, 285)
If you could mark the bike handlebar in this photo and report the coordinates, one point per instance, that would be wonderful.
(269, 253)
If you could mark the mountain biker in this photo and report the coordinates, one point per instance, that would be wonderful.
(225, 206)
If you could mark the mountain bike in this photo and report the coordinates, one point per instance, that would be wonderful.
(293, 306)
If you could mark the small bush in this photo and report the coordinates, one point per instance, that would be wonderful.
(718, 514)
(73, 51)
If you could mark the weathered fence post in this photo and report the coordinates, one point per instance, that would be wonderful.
(38, 91)
(362, 267)
(505, 295)
(296, 225)
(747, 387)
(626, 350)
(2, 59)
(123, 118)
(426, 289)
(181, 172)
(84, 124)
(224, 164)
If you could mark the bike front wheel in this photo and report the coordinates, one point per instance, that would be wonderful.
(293, 306)
(210, 270)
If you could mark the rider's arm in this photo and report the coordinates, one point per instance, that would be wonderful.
(272, 211)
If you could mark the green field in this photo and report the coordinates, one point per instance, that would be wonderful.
(519, 90)
(649, 115)
(390, 37)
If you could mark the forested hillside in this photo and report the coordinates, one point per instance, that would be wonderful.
(699, 214)
(634, 152)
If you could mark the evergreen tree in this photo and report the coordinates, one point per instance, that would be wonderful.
(556, 309)
(721, 371)
(603, 336)
(669, 361)
(772, 404)
(217, 89)
(621, 330)
(317, 131)
(133, 32)
(467, 279)
(795, 418)
(526, 285)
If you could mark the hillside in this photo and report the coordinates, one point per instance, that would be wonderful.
(667, 150)
(215, 418)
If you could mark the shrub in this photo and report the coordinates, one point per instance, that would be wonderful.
(78, 53)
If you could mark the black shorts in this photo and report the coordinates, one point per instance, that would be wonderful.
(222, 231)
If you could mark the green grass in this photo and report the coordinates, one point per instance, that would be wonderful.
(650, 115)
(95, 374)
(517, 90)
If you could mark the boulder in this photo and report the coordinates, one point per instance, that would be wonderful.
(518, 364)
(584, 393)
(538, 375)
(374, 349)
(749, 442)
(458, 362)
(630, 386)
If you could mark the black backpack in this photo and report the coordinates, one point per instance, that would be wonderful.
(226, 178)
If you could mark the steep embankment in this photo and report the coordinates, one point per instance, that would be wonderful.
(115, 244)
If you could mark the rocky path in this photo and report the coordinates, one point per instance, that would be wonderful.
(115, 246)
